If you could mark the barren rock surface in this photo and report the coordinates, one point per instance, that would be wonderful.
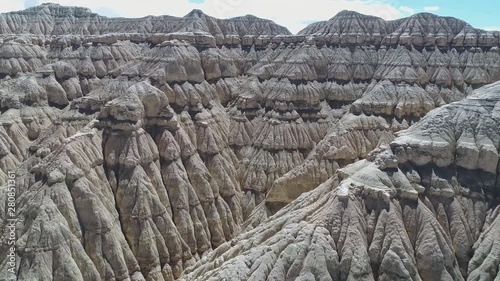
(349, 27)
(197, 148)
(412, 210)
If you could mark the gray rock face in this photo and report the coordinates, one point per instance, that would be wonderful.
(53, 19)
(425, 29)
(412, 210)
(196, 148)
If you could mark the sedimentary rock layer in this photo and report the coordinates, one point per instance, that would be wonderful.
(144, 147)
(421, 208)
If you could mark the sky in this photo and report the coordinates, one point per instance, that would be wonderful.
(293, 14)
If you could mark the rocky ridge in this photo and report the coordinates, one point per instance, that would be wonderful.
(54, 19)
(423, 207)
(139, 152)
(423, 29)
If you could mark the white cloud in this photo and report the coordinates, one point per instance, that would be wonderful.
(431, 9)
(492, 28)
(11, 5)
(407, 10)
(284, 12)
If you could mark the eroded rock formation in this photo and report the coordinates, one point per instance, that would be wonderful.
(423, 207)
(205, 149)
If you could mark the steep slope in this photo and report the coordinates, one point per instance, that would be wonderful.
(53, 19)
(423, 208)
(140, 146)
(349, 27)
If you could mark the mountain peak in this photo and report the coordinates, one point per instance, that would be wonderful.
(349, 14)
(195, 13)
(60, 10)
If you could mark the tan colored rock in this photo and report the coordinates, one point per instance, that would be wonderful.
(196, 148)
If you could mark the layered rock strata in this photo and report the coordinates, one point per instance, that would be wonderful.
(143, 147)
(421, 208)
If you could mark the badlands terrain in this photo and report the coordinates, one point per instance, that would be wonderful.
(196, 148)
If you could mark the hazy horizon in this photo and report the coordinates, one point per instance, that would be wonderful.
(298, 15)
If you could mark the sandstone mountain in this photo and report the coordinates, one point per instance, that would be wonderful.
(196, 148)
